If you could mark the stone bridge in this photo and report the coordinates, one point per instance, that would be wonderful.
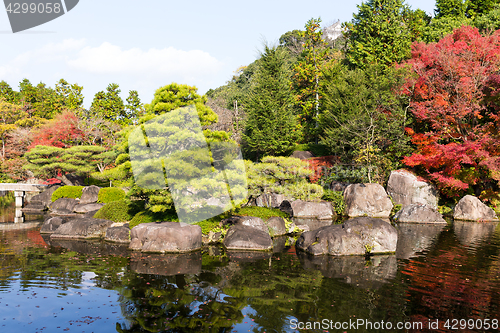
(20, 190)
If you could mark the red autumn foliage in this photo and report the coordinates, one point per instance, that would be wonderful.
(62, 132)
(317, 164)
(455, 77)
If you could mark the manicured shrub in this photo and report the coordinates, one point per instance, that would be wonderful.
(110, 194)
(263, 212)
(282, 175)
(67, 192)
(120, 211)
(337, 200)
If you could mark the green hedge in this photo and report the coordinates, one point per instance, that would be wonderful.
(110, 194)
(148, 216)
(67, 192)
(120, 211)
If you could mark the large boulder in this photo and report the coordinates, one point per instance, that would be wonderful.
(51, 224)
(405, 188)
(276, 226)
(471, 208)
(356, 236)
(244, 237)
(90, 194)
(254, 222)
(118, 233)
(82, 228)
(165, 237)
(367, 200)
(318, 210)
(303, 155)
(45, 198)
(271, 200)
(86, 208)
(419, 213)
(63, 206)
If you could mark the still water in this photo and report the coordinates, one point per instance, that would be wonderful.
(439, 276)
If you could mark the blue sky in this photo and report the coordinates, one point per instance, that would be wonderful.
(143, 45)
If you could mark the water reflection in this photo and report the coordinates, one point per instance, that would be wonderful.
(368, 273)
(471, 233)
(416, 237)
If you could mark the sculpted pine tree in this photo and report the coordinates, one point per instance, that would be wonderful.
(271, 125)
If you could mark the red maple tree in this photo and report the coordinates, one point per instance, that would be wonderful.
(62, 132)
(457, 132)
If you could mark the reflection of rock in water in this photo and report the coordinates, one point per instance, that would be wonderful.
(356, 270)
(89, 247)
(166, 264)
(471, 233)
(416, 237)
(312, 224)
(248, 256)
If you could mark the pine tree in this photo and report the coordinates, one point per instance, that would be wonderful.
(271, 125)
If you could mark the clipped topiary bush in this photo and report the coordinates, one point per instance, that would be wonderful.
(110, 194)
(67, 192)
(282, 175)
(119, 211)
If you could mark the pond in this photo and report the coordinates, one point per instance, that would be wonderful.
(442, 278)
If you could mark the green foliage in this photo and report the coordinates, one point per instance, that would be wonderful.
(381, 33)
(488, 21)
(365, 125)
(262, 212)
(457, 8)
(120, 210)
(110, 105)
(148, 217)
(53, 161)
(109, 194)
(317, 149)
(308, 76)
(337, 199)
(7, 199)
(67, 192)
(347, 173)
(442, 26)
(282, 175)
(271, 127)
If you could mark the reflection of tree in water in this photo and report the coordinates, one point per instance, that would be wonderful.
(180, 303)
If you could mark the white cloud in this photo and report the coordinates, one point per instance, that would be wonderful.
(108, 58)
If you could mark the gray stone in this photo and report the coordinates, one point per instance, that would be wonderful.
(82, 228)
(367, 200)
(405, 188)
(90, 194)
(254, 222)
(86, 208)
(270, 200)
(354, 237)
(63, 206)
(45, 197)
(419, 213)
(243, 237)
(34, 207)
(165, 237)
(318, 210)
(276, 226)
(471, 208)
(51, 224)
(303, 155)
(118, 233)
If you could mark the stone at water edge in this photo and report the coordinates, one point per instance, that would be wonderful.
(86, 208)
(243, 237)
(51, 224)
(418, 213)
(307, 209)
(471, 208)
(405, 188)
(276, 225)
(367, 200)
(63, 205)
(165, 237)
(82, 228)
(354, 237)
(118, 233)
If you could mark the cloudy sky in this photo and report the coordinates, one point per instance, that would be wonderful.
(143, 45)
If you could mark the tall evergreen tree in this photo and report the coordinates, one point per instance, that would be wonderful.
(110, 105)
(381, 33)
(271, 125)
